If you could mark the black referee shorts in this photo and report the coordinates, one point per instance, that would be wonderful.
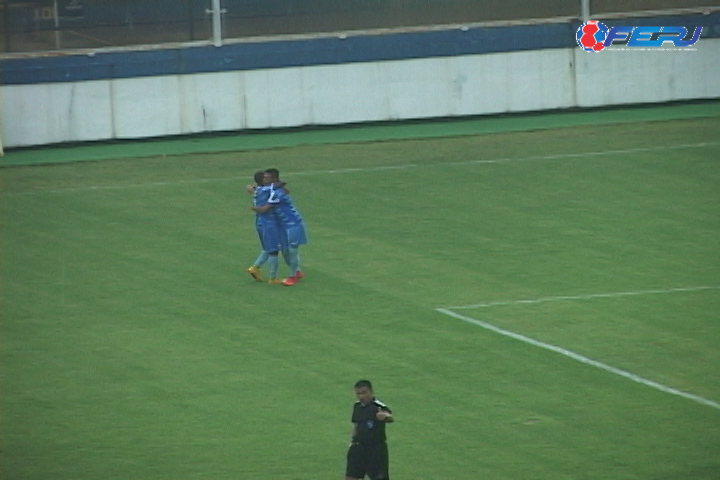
(371, 460)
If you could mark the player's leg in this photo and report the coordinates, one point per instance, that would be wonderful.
(284, 243)
(261, 259)
(294, 264)
(273, 263)
(296, 237)
(300, 238)
(286, 256)
(254, 269)
(272, 245)
(294, 260)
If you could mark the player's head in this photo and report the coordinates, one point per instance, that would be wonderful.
(274, 174)
(364, 391)
(259, 178)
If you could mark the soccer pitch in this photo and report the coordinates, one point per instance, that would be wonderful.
(531, 304)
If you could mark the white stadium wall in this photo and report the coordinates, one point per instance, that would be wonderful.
(523, 81)
(648, 76)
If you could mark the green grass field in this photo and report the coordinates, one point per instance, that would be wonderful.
(135, 346)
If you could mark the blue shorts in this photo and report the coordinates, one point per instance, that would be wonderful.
(270, 237)
(296, 236)
(283, 238)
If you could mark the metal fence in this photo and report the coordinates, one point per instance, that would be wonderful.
(47, 25)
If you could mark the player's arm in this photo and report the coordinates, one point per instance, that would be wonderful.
(250, 188)
(275, 198)
(262, 208)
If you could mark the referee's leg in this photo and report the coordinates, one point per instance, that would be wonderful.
(379, 466)
(356, 458)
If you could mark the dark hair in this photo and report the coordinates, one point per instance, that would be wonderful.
(364, 383)
(259, 177)
(276, 175)
(274, 172)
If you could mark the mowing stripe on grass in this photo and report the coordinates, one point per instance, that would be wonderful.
(383, 168)
(522, 159)
(584, 297)
(581, 358)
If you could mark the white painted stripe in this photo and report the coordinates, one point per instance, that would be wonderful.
(584, 297)
(521, 159)
(581, 358)
(379, 168)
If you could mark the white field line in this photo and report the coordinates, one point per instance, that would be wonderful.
(583, 297)
(576, 356)
(379, 168)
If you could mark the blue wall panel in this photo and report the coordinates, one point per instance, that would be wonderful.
(307, 52)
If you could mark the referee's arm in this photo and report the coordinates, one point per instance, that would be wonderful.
(353, 433)
(385, 416)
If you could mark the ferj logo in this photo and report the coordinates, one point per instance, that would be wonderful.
(595, 36)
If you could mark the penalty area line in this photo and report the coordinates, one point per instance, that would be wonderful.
(580, 358)
(589, 296)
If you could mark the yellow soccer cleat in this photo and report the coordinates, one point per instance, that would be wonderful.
(255, 273)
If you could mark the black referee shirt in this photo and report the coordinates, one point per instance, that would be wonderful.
(370, 430)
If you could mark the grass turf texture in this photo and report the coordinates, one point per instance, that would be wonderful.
(135, 346)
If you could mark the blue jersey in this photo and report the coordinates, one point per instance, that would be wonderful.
(260, 198)
(283, 208)
(272, 238)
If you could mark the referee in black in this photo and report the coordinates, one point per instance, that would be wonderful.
(368, 452)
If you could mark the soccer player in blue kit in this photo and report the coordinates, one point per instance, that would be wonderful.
(280, 205)
(268, 230)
